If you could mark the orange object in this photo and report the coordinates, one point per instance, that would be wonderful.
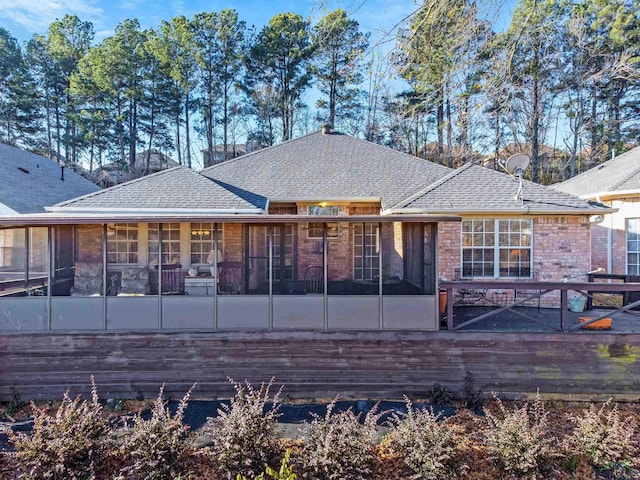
(443, 301)
(602, 324)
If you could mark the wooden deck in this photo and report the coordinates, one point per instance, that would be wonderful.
(372, 364)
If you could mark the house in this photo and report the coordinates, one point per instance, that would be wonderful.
(615, 239)
(28, 183)
(31, 182)
(323, 232)
(149, 161)
(218, 154)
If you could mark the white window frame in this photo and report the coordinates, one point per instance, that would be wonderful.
(370, 268)
(476, 241)
(123, 246)
(632, 227)
(205, 246)
(172, 244)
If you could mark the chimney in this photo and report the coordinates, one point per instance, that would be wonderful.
(326, 128)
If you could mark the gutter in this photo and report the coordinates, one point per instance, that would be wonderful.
(155, 211)
(94, 219)
(324, 199)
(487, 211)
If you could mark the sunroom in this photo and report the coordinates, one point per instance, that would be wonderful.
(66, 272)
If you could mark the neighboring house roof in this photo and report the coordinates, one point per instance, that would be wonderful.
(29, 182)
(476, 189)
(327, 167)
(620, 175)
(177, 188)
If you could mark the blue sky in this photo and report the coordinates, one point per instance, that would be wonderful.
(23, 18)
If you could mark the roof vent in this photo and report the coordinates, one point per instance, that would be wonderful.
(23, 170)
(62, 172)
(326, 128)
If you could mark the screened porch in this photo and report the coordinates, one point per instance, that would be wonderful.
(275, 273)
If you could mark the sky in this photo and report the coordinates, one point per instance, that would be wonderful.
(23, 18)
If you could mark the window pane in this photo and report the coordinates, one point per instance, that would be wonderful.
(122, 243)
(513, 247)
(633, 246)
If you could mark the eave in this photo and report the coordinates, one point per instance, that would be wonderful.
(71, 218)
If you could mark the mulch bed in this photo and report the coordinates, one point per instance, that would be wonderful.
(389, 464)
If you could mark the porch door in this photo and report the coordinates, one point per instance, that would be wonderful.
(419, 256)
(283, 256)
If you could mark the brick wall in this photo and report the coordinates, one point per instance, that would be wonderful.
(89, 246)
(561, 248)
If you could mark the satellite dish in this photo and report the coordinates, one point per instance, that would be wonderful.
(517, 164)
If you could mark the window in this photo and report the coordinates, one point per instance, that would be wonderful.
(496, 248)
(633, 246)
(315, 229)
(202, 242)
(365, 251)
(170, 243)
(122, 243)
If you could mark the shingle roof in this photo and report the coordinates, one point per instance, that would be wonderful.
(618, 174)
(29, 182)
(320, 167)
(330, 166)
(175, 188)
(473, 188)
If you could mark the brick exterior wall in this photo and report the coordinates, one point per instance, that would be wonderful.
(561, 248)
(89, 243)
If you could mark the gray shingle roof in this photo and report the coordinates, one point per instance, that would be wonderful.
(29, 182)
(175, 188)
(618, 174)
(316, 167)
(473, 188)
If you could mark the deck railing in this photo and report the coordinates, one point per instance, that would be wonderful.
(538, 289)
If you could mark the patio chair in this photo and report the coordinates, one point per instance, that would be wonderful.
(134, 281)
(314, 279)
(230, 282)
(523, 290)
(87, 280)
(172, 279)
(469, 296)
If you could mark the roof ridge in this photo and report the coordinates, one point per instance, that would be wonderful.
(270, 147)
(432, 186)
(120, 185)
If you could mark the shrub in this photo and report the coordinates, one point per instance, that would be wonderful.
(16, 403)
(440, 395)
(67, 445)
(427, 445)
(284, 473)
(338, 446)
(602, 436)
(155, 449)
(520, 439)
(471, 397)
(243, 437)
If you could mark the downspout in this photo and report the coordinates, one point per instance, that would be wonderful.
(610, 245)
(609, 241)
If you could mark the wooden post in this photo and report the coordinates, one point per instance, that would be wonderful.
(449, 308)
(563, 309)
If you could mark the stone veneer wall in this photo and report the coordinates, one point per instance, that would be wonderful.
(561, 248)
